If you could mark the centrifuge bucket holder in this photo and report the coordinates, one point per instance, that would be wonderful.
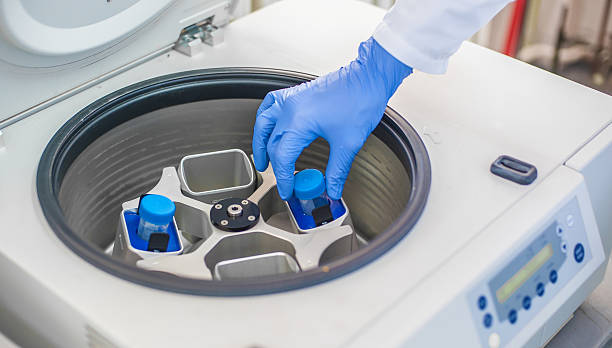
(211, 176)
(210, 252)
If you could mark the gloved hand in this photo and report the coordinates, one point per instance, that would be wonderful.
(343, 107)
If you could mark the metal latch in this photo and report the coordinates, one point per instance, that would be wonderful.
(192, 37)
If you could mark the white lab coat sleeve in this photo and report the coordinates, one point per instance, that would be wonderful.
(424, 34)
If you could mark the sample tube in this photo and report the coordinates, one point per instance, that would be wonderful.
(156, 213)
(309, 189)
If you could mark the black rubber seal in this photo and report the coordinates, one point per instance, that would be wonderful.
(98, 118)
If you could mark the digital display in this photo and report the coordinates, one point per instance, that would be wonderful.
(520, 277)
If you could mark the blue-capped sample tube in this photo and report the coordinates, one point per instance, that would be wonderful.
(309, 189)
(156, 213)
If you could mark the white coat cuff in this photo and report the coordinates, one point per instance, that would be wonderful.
(406, 53)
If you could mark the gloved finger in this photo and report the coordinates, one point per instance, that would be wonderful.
(268, 100)
(338, 166)
(284, 150)
(264, 125)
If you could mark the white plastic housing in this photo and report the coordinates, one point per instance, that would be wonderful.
(50, 50)
(40, 33)
(420, 284)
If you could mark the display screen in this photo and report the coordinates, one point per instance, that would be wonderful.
(520, 277)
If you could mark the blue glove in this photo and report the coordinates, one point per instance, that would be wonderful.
(343, 107)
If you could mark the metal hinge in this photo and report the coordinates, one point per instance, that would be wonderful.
(192, 37)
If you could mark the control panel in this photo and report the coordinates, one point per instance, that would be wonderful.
(509, 296)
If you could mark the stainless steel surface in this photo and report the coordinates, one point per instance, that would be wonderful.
(113, 169)
(216, 175)
(309, 250)
(192, 221)
(234, 210)
(191, 39)
(256, 266)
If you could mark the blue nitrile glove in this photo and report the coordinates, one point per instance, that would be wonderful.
(343, 107)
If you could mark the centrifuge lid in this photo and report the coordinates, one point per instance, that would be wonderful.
(51, 48)
(49, 33)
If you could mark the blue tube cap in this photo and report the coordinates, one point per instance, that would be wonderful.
(308, 184)
(156, 209)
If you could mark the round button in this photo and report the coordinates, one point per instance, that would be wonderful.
(579, 252)
(553, 276)
(494, 340)
(559, 230)
(487, 320)
(512, 316)
(570, 220)
(540, 289)
(564, 246)
(482, 302)
(526, 302)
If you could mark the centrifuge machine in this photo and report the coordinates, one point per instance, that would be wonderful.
(477, 214)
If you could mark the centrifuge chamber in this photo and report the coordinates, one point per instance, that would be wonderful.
(114, 150)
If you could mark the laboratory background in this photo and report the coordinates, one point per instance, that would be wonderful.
(570, 37)
(153, 190)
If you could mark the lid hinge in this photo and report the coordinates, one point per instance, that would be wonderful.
(194, 36)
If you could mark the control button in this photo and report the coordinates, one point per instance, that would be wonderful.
(526, 302)
(553, 276)
(559, 230)
(487, 320)
(482, 303)
(579, 252)
(494, 340)
(540, 289)
(570, 220)
(564, 246)
(512, 316)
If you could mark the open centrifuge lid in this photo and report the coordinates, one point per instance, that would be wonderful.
(46, 33)
(52, 48)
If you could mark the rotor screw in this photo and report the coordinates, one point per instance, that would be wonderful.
(218, 206)
(251, 218)
(224, 222)
(245, 202)
(234, 210)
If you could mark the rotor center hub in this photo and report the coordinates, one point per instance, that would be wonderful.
(234, 214)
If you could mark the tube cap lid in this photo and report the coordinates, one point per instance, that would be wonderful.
(156, 209)
(309, 184)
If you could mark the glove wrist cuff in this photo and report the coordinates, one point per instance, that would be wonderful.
(385, 66)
